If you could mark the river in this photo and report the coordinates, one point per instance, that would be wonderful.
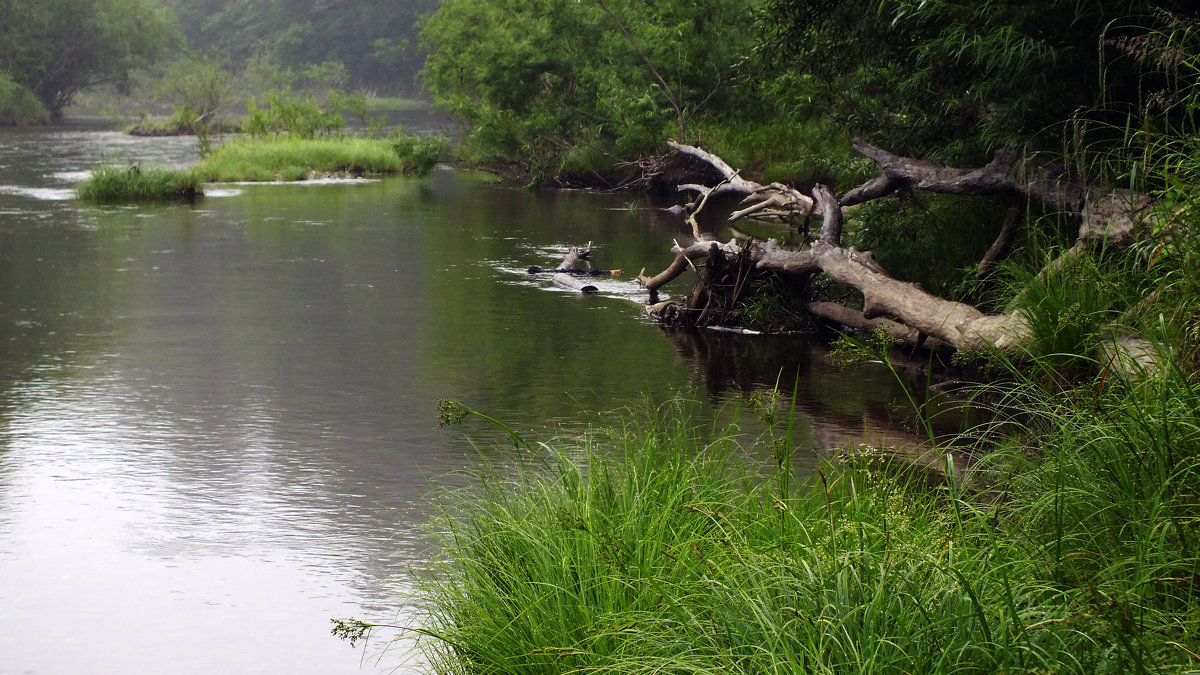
(218, 424)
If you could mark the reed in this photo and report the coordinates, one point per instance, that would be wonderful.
(114, 184)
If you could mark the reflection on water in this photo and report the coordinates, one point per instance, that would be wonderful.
(217, 421)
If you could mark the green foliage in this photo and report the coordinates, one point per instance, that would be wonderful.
(55, 48)
(1107, 490)
(18, 105)
(850, 354)
(420, 154)
(112, 184)
(800, 152)
(351, 43)
(933, 240)
(645, 547)
(294, 116)
(772, 305)
(298, 159)
(1067, 301)
(951, 80)
(541, 81)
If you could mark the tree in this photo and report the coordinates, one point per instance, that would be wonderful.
(56, 48)
(552, 83)
(1130, 268)
(377, 42)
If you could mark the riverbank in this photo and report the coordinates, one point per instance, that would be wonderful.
(649, 546)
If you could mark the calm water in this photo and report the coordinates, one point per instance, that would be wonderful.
(217, 422)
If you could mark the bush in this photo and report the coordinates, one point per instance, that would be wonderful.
(419, 154)
(291, 116)
(18, 105)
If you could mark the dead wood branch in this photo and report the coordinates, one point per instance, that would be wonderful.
(904, 309)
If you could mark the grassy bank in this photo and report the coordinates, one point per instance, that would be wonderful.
(115, 184)
(270, 159)
(646, 548)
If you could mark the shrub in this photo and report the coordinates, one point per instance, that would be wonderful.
(18, 105)
(419, 154)
(291, 116)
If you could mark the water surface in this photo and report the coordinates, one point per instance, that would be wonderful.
(217, 422)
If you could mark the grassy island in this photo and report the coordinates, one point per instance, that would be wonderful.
(115, 184)
(288, 159)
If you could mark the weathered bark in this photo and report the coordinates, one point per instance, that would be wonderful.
(574, 265)
(1107, 215)
(576, 257)
(906, 310)
(574, 283)
(684, 258)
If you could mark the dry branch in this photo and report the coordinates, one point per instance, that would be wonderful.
(906, 310)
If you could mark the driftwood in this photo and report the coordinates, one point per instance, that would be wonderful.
(574, 283)
(569, 272)
(1108, 217)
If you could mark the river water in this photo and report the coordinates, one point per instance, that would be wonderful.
(217, 422)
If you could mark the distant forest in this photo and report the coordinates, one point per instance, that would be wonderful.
(376, 41)
(51, 50)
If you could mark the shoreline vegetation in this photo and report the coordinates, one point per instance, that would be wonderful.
(649, 545)
(292, 138)
(19, 106)
(1071, 544)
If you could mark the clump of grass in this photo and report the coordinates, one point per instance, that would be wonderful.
(648, 547)
(114, 184)
(298, 159)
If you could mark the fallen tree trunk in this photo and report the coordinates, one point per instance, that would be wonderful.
(576, 264)
(574, 283)
(910, 313)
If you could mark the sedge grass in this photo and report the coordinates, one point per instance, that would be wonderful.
(291, 159)
(644, 548)
(113, 184)
(288, 159)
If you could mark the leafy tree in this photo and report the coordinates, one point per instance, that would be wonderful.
(55, 48)
(201, 87)
(953, 79)
(553, 82)
(291, 116)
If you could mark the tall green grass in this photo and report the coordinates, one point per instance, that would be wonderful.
(298, 159)
(267, 159)
(648, 547)
(114, 184)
